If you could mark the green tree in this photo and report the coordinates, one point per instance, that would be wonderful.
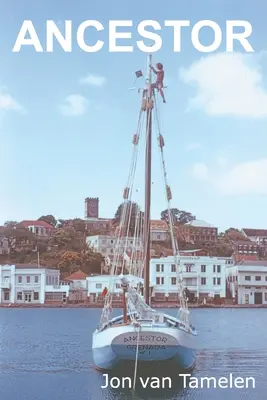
(131, 215)
(10, 224)
(178, 216)
(79, 225)
(87, 260)
(91, 261)
(234, 234)
(61, 238)
(70, 261)
(50, 219)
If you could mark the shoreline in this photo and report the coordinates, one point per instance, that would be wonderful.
(155, 306)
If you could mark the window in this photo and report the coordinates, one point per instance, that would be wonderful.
(19, 279)
(162, 267)
(258, 278)
(42, 231)
(162, 281)
(203, 268)
(118, 285)
(203, 281)
(266, 277)
(36, 296)
(173, 280)
(28, 279)
(157, 268)
(265, 296)
(216, 281)
(36, 279)
(174, 268)
(98, 285)
(214, 269)
(6, 296)
(158, 281)
(218, 269)
(158, 237)
(19, 296)
(36, 231)
(247, 278)
(188, 268)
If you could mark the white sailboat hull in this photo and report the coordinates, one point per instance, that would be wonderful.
(118, 344)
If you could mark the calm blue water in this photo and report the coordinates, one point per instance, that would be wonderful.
(45, 354)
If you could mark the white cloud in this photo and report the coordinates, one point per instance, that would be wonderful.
(192, 146)
(222, 161)
(93, 80)
(200, 171)
(8, 103)
(244, 178)
(228, 84)
(74, 105)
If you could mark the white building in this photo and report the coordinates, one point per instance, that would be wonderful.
(106, 244)
(256, 235)
(4, 245)
(247, 282)
(204, 276)
(159, 231)
(28, 284)
(39, 228)
(96, 284)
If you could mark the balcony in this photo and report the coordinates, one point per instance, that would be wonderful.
(5, 284)
(191, 274)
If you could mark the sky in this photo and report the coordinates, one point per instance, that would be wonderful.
(67, 119)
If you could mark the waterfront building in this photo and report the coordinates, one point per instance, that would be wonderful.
(247, 281)
(78, 287)
(98, 283)
(203, 276)
(30, 284)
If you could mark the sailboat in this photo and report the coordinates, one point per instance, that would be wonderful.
(143, 335)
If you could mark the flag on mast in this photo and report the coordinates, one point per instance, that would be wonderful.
(126, 258)
(138, 74)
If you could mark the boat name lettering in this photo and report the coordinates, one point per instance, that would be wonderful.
(143, 347)
(146, 338)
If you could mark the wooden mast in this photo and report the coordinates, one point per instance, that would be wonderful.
(148, 183)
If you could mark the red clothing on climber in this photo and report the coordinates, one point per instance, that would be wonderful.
(159, 82)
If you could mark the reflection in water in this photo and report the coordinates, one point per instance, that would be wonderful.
(46, 354)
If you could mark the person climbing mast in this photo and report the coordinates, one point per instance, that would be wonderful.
(160, 77)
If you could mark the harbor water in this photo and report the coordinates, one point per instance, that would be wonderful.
(45, 354)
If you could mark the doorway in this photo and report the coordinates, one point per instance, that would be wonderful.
(257, 298)
(28, 297)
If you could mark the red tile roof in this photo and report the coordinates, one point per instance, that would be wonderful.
(158, 224)
(41, 224)
(245, 257)
(255, 232)
(77, 276)
(30, 266)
